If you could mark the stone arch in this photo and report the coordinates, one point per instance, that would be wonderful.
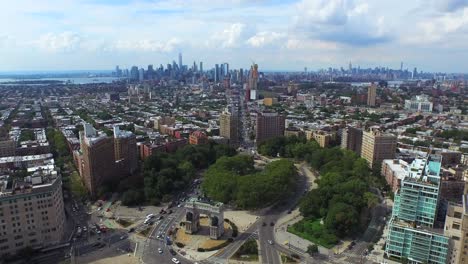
(214, 220)
(189, 216)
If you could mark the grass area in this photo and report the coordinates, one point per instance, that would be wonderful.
(146, 231)
(124, 223)
(315, 232)
(247, 252)
(285, 259)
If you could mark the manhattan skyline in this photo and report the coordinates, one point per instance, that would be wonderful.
(280, 35)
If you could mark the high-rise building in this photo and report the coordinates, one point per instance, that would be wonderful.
(411, 228)
(201, 66)
(97, 158)
(141, 74)
(456, 228)
(253, 77)
(31, 211)
(125, 149)
(180, 61)
(377, 146)
(134, 74)
(351, 139)
(226, 69)
(216, 73)
(371, 94)
(229, 127)
(269, 125)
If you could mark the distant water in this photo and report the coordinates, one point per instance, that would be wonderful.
(73, 80)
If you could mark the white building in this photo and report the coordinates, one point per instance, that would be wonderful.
(420, 103)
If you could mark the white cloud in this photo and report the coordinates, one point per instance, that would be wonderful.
(342, 21)
(61, 42)
(146, 45)
(264, 38)
(230, 37)
(441, 28)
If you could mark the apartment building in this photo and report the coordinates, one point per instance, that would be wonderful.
(377, 146)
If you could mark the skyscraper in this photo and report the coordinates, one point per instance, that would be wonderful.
(216, 73)
(269, 125)
(371, 94)
(253, 77)
(180, 60)
(377, 146)
(226, 69)
(229, 126)
(134, 74)
(201, 66)
(141, 74)
(411, 235)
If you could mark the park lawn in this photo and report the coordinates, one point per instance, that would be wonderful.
(145, 232)
(315, 232)
(285, 259)
(124, 223)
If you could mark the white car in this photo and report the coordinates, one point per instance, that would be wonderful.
(160, 251)
(270, 242)
(176, 261)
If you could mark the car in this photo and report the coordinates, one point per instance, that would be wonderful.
(158, 236)
(176, 261)
(99, 209)
(123, 237)
(160, 251)
(272, 224)
(289, 212)
(270, 242)
(160, 217)
(150, 216)
(264, 224)
(173, 253)
(179, 205)
(131, 230)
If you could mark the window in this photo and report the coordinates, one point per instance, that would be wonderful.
(457, 215)
(456, 226)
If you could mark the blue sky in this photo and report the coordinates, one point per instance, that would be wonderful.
(286, 35)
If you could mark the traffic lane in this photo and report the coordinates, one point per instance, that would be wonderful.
(268, 251)
(153, 256)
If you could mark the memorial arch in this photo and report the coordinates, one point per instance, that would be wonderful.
(215, 212)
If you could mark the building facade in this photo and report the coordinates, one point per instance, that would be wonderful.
(269, 125)
(456, 227)
(411, 228)
(377, 146)
(351, 139)
(419, 104)
(229, 127)
(31, 212)
(371, 95)
(125, 150)
(7, 148)
(97, 158)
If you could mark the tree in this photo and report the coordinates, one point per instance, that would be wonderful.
(343, 218)
(371, 199)
(312, 249)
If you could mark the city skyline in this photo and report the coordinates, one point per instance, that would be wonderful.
(279, 35)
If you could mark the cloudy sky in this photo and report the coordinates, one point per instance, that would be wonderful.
(278, 34)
